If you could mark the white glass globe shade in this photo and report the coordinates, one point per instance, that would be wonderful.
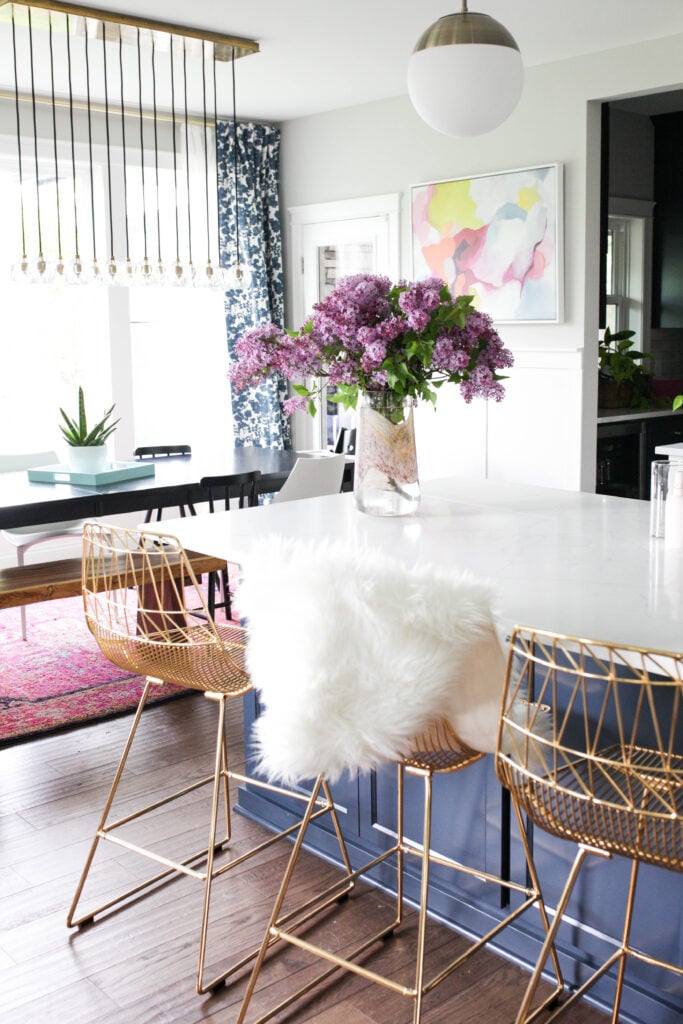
(465, 89)
(237, 277)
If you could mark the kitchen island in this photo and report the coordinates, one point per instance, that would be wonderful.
(576, 563)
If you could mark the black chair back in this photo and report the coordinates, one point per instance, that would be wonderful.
(235, 490)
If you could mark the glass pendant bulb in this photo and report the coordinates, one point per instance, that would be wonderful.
(127, 271)
(76, 271)
(237, 277)
(181, 275)
(94, 274)
(21, 271)
(145, 273)
(176, 275)
(218, 282)
(59, 274)
(209, 276)
(160, 273)
(111, 272)
(42, 271)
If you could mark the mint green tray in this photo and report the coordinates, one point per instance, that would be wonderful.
(119, 471)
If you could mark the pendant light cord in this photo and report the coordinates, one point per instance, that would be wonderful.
(156, 147)
(123, 141)
(235, 162)
(142, 153)
(218, 182)
(71, 124)
(175, 158)
(21, 172)
(35, 135)
(187, 156)
(54, 138)
(206, 161)
(92, 178)
(106, 119)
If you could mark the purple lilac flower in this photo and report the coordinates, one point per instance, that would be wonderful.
(392, 328)
(294, 404)
(447, 357)
(363, 322)
(422, 296)
(373, 356)
(358, 301)
(341, 371)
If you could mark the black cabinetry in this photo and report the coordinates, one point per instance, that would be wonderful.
(626, 447)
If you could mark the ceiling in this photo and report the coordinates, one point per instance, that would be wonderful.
(317, 55)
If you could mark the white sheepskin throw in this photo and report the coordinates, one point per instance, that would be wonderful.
(353, 654)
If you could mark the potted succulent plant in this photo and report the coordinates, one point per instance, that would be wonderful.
(87, 451)
(623, 381)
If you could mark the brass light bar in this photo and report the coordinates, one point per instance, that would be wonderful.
(224, 45)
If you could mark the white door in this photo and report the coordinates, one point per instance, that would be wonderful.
(330, 241)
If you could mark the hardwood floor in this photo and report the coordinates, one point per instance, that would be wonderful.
(137, 965)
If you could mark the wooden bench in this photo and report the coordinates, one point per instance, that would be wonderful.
(49, 581)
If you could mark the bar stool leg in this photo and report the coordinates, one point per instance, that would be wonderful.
(424, 896)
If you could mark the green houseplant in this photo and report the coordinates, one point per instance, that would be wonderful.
(623, 381)
(87, 444)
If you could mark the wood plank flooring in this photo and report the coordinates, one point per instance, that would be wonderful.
(137, 965)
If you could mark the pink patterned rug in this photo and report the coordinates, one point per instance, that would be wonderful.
(58, 677)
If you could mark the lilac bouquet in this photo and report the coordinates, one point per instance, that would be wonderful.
(370, 335)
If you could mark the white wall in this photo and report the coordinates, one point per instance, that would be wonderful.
(544, 431)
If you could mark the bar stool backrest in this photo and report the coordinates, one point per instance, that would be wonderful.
(148, 614)
(597, 754)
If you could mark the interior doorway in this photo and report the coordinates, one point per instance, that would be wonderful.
(330, 241)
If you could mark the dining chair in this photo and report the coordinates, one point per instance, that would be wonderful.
(159, 451)
(346, 441)
(605, 772)
(144, 606)
(232, 491)
(392, 663)
(313, 475)
(24, 537)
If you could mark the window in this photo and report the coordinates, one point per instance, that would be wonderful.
(159, 353)
(627, 280)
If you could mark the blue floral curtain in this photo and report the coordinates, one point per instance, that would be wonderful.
(257, 413)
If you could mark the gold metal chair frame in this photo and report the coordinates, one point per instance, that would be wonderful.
(602, 766)
(136, 589)
(436, 751)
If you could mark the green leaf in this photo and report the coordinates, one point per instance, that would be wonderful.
(678, 402)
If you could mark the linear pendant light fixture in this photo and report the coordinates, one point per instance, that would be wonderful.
(77, 25)
(465, 75)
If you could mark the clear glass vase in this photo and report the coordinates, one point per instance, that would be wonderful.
(386, 478)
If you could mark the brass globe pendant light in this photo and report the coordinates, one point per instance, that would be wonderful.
(465, 75)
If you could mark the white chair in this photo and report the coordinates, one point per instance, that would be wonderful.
(313, 475)
(24, 537)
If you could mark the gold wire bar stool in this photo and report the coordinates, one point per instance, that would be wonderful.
(596, 759)
(436, 751)
(144, 607)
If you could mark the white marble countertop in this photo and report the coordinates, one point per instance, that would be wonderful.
(582, 564)
(674, 451)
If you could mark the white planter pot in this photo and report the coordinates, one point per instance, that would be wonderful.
(90, 459)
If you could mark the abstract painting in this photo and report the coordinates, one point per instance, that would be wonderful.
(497, 237)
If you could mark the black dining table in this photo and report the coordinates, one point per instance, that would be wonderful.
(24, 502)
